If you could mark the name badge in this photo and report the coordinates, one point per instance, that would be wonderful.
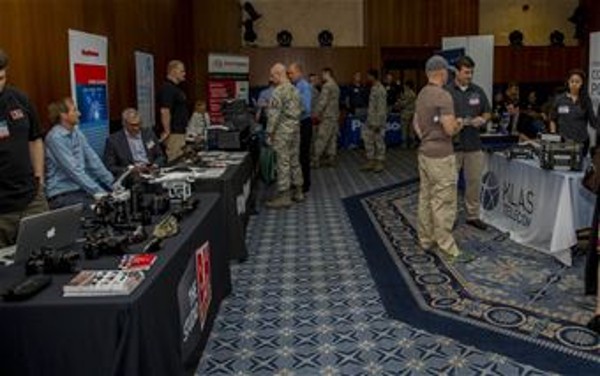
(436, 119)
(17, 114)
(563, 109)
(474, 101)
(150, 144)
(4, 132)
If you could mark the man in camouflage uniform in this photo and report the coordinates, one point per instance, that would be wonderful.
(327, 111)
(283, 133)
(406, 104)
(373, 133)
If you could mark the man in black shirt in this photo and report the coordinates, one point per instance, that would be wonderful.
(472, 107)
(173, 109)
(21, 159)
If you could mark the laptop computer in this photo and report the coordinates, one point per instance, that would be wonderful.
(55, 228)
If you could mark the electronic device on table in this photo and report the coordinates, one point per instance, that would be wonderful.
(561, 156)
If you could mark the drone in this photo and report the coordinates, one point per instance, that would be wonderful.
(176, 180)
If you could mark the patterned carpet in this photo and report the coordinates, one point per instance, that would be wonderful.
(524, 303)
(305, 303)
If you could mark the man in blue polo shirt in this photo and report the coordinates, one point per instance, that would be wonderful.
(472, 108)
(297, 77)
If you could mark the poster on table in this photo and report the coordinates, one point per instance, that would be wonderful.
(194, 296)
(227, 79)
(88, 63)
(144, 78)
(594, 77)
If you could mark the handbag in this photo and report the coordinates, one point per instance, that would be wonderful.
(268, 165)
(591, 178)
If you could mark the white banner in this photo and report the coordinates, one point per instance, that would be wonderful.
(228, 64)
(144, 76)
(88, 62)
(594, 77)
(540, 209)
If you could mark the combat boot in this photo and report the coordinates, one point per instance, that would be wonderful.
(368, 166)
(280, 201)
(298, 194)
(330, 162)
(378, 166)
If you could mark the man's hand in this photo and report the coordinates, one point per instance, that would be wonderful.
(270, 139)
(478, 121)
(164, 136)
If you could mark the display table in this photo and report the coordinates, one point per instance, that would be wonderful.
(235, 186)
(139, 334)
(350, 132)
(539, 208)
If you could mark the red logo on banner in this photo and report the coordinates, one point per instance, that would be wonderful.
(203, 280)
(90, 53)
(86, 74)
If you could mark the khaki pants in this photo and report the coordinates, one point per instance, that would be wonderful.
(437, 203)
(174, 146)
(472, 166)
(9, 222)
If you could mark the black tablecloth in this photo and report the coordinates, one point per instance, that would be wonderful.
(235, 186)
(139, 334)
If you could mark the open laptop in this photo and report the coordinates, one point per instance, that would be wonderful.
(55, 228)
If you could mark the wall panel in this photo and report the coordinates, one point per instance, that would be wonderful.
(35, 36)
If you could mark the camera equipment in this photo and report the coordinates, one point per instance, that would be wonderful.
(48, 260)
(103, 242)
(27, 288)
(561, 156)
(521, 151)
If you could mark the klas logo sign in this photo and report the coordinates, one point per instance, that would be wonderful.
(516, 202)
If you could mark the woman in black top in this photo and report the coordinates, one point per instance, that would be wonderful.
(572, 111)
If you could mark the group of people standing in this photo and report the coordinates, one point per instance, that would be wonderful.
(294, 108)
(448, 119)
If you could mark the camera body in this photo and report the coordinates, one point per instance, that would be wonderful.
(48, 260)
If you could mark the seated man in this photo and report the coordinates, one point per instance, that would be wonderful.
(74, 172)
(521, 123)
(132, 146)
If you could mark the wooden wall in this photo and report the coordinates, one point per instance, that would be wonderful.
(419, 22)
(537, 64)
(34, 34)
(343, 60)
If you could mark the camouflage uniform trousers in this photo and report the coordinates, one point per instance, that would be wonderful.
(326, 140)
(287, 150)
(374, 139)
(408, 132)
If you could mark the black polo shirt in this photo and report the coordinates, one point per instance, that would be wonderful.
(173, 97)
(471, 102)
(19, 124)
(572, 118)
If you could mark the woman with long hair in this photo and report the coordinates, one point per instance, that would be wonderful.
(572, 111)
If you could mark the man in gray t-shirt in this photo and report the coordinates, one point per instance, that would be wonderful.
(435, 124)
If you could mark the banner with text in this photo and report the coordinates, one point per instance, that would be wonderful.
(539, 208)
(227, 79)
(144, 78)
(594, 77)
(88, 62)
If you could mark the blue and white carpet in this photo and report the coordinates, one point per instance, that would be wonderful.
(306, 303)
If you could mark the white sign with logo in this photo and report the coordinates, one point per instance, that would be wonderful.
(228, 64)
(540, 209)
